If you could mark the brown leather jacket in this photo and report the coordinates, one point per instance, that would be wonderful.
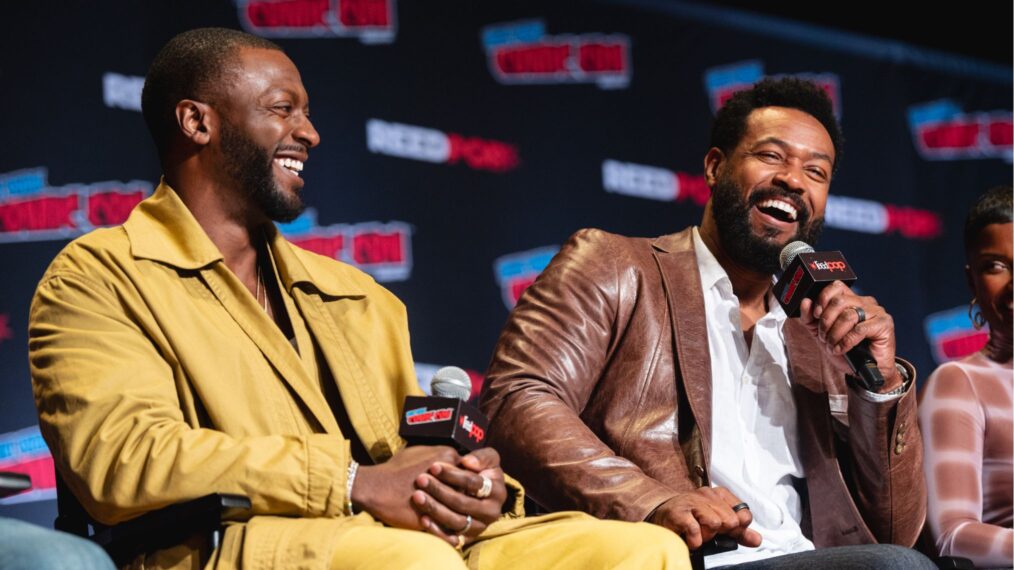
(596, 405)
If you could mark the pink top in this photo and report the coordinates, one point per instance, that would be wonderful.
(966, 415)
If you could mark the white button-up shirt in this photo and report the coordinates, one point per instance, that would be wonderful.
(754, 444)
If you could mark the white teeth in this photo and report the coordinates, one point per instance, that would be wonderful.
(293, 165)
(779, 205)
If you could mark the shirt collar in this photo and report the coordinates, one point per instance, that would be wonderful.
(712, 272)
(161, 228)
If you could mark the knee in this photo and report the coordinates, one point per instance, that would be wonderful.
(894, 556)
(636, 545)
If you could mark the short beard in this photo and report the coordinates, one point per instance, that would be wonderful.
(732, 218)
(251, 167)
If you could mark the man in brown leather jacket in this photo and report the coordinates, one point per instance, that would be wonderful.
(627, 384)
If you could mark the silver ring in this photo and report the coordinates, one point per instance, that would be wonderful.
(468, 525)
(486, 489)
(740, 507)
(861, 313)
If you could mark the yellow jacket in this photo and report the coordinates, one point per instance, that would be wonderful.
(158, 379)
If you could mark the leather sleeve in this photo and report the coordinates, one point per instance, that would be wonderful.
(547, 363)
(886, 462)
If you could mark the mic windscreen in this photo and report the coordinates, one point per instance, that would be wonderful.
(451, 382)
(790, 251)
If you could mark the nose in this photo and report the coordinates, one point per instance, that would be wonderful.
(306, 134)
(790, 177)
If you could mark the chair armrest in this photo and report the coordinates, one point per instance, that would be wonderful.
(165, 527)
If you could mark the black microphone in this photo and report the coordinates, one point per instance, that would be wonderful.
(445, 418)
(805, 273)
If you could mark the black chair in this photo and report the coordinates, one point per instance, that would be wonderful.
(152, 531)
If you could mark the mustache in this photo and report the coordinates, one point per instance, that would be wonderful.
(761, 194)
(301, 148)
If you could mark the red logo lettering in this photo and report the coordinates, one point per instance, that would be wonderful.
(328, 246)
(112, 207)
(288, 13)
(693, 188)
(951, 135)
(376, 247)
(482, 154)
(5, 330)
(48, 213)
(364, 13)
(600, 57)
(542, 59)
(791, 287)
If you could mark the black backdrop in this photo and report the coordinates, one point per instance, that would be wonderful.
(462, 142)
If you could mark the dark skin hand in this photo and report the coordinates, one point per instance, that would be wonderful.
(835, 323)
(699, 515)
(447, 494)
(386, 490)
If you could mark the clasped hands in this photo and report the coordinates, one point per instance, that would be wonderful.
(434, 489)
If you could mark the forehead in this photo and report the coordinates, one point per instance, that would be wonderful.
(256, 71)
(798, 129)
(993, 238)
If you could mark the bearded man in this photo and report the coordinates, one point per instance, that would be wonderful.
(659, 380)
(193, 350)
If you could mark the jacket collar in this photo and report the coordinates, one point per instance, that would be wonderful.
(162, 228)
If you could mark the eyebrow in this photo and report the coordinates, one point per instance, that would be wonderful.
(786, 146)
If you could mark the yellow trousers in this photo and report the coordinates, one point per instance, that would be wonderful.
(559, 540)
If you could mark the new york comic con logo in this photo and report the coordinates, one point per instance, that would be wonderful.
(724, 81)
(425, 415)
(951, 335)
(522, 52)
(942, 131)
(516, 271)
(372, 21)
(384, 250)
(32, 210)
(24, 451)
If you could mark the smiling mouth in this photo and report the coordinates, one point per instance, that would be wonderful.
(779, 210)
(290, 164)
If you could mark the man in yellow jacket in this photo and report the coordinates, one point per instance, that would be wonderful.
(194, 350)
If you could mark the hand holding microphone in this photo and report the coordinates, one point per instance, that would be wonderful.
(814, 287)
(457, 499)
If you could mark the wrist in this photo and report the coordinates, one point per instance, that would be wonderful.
(359, 494)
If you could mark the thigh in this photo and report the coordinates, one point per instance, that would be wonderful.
(382, 548)
(576, 540)
(871, 556)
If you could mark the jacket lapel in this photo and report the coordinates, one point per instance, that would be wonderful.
(682, 282)
(343, 349)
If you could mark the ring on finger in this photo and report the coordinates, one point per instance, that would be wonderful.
(740, 507)
(486, 489)
(468, 525)
(860, 313)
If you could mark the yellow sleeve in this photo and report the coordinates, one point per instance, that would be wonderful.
(109, 410)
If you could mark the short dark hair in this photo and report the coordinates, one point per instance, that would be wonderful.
(994, 206)
(791, 92)
(190, 66)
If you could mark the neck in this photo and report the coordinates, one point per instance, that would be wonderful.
(750, 287)
(998, 348)
(222, 213)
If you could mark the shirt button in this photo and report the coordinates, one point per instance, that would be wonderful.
(899, 448)
(699, 471)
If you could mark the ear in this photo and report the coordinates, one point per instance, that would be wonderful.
(195, 121)
(712, 162)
